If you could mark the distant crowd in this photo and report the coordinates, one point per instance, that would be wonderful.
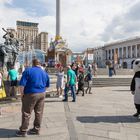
(75, 79)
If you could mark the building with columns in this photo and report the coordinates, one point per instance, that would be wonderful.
(122, 52)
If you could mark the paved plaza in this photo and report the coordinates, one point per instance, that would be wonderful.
(104, 115)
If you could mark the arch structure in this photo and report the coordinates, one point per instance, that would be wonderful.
(62, 54)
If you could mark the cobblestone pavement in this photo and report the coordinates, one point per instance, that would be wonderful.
(104, 115)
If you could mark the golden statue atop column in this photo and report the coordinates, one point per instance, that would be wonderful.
(58, 51)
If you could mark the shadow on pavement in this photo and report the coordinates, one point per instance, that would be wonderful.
(107, 119)
(122, 90)
(7, 133)
(51, 101)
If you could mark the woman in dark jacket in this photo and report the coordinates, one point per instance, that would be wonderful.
(81, 81)
(88, 79)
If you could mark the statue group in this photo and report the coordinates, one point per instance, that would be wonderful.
(9, 50)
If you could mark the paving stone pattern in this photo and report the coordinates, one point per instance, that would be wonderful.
(104, 115)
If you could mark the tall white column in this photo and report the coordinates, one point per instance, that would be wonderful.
(126, 52)
(55, 57)
(118, 52)
(111, 54)
(136, 51)
(122, 53)
(58, 55)
(131, 52)
(57, 17)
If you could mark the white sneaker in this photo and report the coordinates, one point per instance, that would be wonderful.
(61, 96)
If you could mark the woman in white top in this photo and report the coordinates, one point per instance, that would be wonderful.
(60, 81)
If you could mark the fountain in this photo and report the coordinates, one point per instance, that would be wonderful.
(25, 57)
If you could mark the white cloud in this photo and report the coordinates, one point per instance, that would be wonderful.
(84, 23)
(2, 2)
(9, 16)
(124, 25)
(84, 20)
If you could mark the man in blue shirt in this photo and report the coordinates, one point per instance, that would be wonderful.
(33, 84)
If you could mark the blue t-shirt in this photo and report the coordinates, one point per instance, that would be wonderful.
(34, 80)
(72, 77)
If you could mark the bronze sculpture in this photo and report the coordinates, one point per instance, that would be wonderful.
(9, 50)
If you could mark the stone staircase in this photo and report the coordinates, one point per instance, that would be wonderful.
(102, 81)
(107, 82)
(123, 77)
(104, 71)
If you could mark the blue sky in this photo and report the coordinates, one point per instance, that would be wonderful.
(84, 23)
(33, 7)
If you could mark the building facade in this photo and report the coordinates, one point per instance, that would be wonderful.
(28, 31)
(99, 57)
(32, 39)
(88, 57)
(77, 57)
(122, 52)
(42, 42)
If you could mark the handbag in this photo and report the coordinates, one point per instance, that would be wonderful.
(2, 91)
(86, 78)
